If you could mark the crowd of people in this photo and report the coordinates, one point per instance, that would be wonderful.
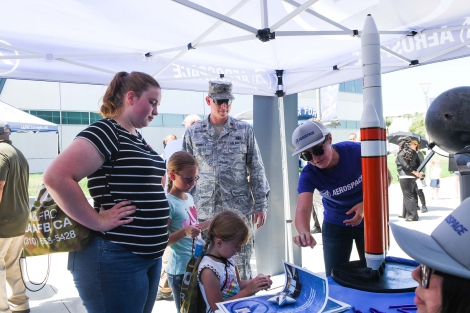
(212, 185)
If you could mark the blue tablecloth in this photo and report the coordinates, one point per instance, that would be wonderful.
(363, 300)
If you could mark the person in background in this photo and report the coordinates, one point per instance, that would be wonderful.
(169, 138)
(190, 120)
(435, 178)
(352, 137)
(227, 153)
(119, 269)
(407, 164)
(419, 184)
(14, 212)
(443, 275)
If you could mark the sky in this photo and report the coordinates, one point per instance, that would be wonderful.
(402, 93)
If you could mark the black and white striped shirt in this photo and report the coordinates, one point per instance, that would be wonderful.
(136, 177)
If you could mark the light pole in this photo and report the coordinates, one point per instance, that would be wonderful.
(425, 87)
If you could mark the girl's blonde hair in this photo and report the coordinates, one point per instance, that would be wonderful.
(229, 225)
(177, 162)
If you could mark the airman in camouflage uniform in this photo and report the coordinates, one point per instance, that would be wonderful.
(231, 170)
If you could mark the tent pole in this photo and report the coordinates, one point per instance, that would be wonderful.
(292, 14)
(218, 16)
(285, 173)
(194, 43)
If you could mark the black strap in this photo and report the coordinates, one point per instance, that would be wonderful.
(39, 285)
(226, 263)
(112, 168)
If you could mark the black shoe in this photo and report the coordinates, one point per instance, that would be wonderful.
(410, 220)
(315, 230)
(164, 296)
(424, 209)
(22, 311)
(399, 216)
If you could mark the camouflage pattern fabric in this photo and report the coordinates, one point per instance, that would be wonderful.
(50, 230)
(225, 162)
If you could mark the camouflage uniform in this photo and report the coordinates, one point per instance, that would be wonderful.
(225, 162)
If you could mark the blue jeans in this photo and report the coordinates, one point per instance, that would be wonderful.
(175, 282)
(111, 279)
(337, 244)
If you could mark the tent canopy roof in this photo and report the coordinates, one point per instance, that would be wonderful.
(20, 121)
(184, 43)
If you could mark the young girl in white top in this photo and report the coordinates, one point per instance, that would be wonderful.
(183, 224)
(218, 275)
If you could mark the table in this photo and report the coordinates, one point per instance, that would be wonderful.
(363, 300)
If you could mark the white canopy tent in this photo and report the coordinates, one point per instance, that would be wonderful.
(309, 43)
(22, 122)
(184, 43)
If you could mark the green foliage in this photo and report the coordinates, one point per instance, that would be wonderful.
(417, 125)
(388, 122)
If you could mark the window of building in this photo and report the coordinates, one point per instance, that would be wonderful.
(79, 118)
(95, 117)
(354, 86)
(51, 116)
(173, 120)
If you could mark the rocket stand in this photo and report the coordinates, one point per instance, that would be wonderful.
(462, 159)
(393, 277)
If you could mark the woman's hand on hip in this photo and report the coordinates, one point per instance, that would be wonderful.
(358, 209)
(116, 216)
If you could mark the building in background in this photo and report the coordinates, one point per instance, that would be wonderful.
(74, 106)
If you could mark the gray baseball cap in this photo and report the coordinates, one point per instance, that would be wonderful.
(220, 90)
(4, 128)
(307, 135)
(447, 249)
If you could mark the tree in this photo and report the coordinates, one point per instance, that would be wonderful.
(417, 125)
(388, 122)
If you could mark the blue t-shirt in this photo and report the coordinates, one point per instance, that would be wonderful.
(182, 213)
(341, 188)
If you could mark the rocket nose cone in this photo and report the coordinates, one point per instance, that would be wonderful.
(369, 26)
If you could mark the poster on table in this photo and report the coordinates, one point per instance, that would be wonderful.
(303, 291)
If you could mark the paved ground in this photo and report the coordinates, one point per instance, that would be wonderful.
(60, 295)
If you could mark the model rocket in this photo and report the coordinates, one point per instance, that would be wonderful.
(373, 150)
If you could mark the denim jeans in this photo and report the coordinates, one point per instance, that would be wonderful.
(175, 282)
(111, 279)
(337, 244)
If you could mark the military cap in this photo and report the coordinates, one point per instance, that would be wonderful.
(220, 90)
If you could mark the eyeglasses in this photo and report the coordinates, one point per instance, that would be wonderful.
(316, 150)
(188, 180)
(222, 101)
(425, 274)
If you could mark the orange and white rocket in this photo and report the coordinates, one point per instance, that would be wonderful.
(372, 185)
(373, 149)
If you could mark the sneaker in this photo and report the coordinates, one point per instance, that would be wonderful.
(424, 209)
(315, 230)
(164, 296)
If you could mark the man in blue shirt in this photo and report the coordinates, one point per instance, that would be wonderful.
(336, 172)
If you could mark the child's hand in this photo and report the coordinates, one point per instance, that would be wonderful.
(192, 231)
(258, 283)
